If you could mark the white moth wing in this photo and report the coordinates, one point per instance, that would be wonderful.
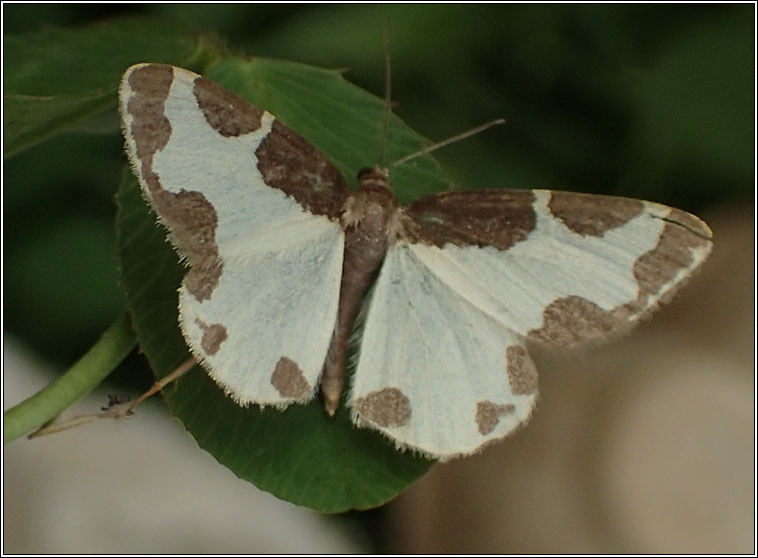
(433, 368)
(259, 303)
(277, 308)
(443, 366)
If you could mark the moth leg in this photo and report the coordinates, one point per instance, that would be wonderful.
(116, 411)
(181, 370)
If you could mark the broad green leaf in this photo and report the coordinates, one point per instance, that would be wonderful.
(339, 118)
(56, 77)
(300, 454)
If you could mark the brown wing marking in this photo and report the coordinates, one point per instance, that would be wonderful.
(225, 112)
(286, 160)
(291, 164)
(190, 217)
(499, 218)
(588, 214)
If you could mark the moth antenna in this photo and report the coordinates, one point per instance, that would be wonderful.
(387, 92)
(459, 137)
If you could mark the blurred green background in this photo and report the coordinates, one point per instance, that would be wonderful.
(643, 101)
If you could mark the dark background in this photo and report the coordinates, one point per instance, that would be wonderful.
(642, 100)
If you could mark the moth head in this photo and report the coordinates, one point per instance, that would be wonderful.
(373, 178)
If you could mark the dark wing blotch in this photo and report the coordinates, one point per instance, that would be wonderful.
(498, 218)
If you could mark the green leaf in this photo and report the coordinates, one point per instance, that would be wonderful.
(337, 117)
(299, 454)
(56, 77)
(31, 119)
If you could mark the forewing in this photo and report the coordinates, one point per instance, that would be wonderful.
(443, 366)
(557, 267)
(253, 208)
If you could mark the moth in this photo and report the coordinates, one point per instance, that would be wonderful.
(283, 257)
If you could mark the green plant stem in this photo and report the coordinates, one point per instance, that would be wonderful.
(84, 376)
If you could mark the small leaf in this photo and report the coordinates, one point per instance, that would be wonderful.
(300, 454)
(56, 77)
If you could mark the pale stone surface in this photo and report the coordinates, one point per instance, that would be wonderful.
(139, 485)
